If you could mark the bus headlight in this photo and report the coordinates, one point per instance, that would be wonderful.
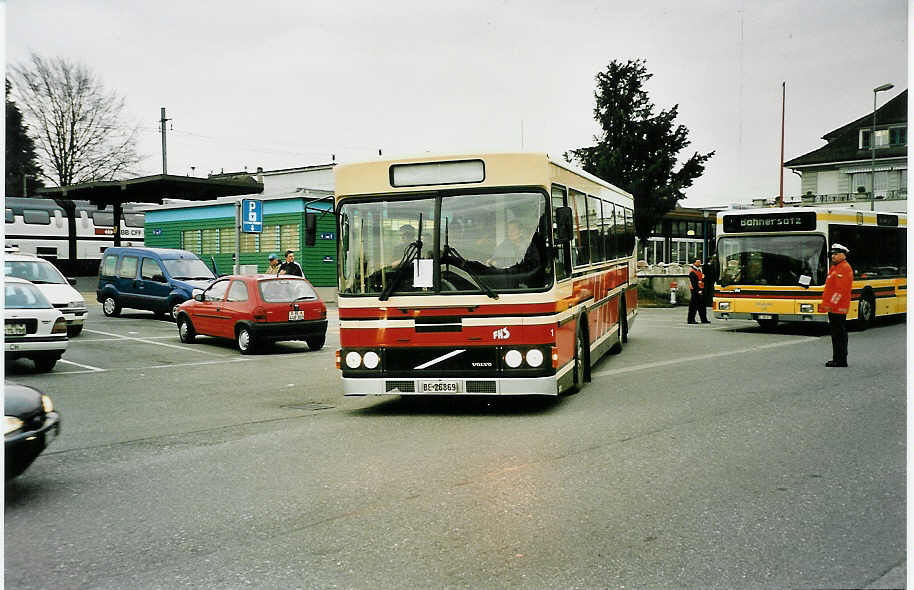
(534, 357)
(371, 359)
(513, 358)
(353, 359)
(724, 306)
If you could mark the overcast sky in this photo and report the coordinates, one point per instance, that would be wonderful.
(284, 84)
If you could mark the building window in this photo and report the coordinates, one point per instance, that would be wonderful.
(269, 239)
(190, 240)
(248, 242)
(288, 237)
(882, 138)
(227, 240)
(898, 136)
(209, 241)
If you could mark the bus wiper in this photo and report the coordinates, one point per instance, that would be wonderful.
(450, 251)
(412, 252)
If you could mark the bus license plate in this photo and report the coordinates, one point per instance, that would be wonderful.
(765, 316)
(296, 315)
(439, 387)
(15, 329)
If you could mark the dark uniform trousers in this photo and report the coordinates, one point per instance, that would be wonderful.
(838, 324)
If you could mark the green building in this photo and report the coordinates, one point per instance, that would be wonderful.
(208, 230)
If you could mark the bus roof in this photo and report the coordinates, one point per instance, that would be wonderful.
(501, 169)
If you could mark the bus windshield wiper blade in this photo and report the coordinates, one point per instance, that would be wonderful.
(411, 253)
(448, 250)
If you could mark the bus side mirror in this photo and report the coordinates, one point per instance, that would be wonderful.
(310, 228)
(564, 225)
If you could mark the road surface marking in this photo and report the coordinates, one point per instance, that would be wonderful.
(90, 367)
(144, 340)
(702, 357)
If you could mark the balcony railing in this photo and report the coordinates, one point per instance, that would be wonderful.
(893, 195)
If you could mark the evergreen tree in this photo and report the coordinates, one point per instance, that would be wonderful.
(638, 149)
(21, 160)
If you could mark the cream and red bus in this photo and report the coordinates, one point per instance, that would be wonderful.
(480, 274)
(773, 263)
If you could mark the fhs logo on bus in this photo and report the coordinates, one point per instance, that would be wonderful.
(502, 334)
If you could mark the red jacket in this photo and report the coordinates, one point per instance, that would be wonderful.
(837, 295)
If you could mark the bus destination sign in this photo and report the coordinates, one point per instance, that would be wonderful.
(762, 222)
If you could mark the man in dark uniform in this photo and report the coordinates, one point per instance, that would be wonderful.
(290, 267)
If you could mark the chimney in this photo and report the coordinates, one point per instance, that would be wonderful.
(260, 174)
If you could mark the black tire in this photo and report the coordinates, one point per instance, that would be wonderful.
(245, 340)
(767, 324)
(581, 355)
(616, 348)
(186, 331)
(866, 311)
(623, 320)
(73, 331)
(173, 311)
(45, 363)
(110, 306)
(317, 342)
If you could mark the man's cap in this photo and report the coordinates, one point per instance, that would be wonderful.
(290, 252)
(272, 257)
(836, 247)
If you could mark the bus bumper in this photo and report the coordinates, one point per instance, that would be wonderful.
(781, 317)
(465, 386)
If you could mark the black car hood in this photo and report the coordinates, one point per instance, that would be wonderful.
(19, 400)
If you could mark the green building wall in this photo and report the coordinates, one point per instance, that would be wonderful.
(318, 261)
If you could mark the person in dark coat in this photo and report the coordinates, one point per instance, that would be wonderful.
(290, 267)
(697, 301)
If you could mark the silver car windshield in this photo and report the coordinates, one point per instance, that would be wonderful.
(36, 271)
(183, 269)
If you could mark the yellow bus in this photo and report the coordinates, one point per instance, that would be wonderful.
(772, 263)
(485, 274)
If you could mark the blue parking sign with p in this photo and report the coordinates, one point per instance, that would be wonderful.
(251, 216)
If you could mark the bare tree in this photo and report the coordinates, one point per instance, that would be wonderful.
(78, 126)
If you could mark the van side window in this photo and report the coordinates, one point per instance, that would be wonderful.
(151, 268)
(238, 291)
(128, 267)
(108, 266)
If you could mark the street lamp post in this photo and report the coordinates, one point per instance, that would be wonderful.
(873, 146)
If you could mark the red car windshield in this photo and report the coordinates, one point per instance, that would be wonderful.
(286, 290)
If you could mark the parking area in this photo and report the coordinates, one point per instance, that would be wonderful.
(137, 341)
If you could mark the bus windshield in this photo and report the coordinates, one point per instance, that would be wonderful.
(772, 260)
(486, 243)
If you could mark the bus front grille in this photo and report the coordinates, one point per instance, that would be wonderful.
(404, 386)
(481, 387)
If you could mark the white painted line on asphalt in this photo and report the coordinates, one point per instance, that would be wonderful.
(170, 337)
(702, 357)
(146, 341)
(90, 367)
(234, 360)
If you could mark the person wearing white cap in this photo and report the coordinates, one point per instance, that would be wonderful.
(836, 299)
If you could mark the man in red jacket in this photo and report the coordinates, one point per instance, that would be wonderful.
(836, 300)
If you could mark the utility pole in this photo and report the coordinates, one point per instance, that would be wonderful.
(783, 105)
(164, 152)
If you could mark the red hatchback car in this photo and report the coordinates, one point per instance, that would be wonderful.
(254, 310)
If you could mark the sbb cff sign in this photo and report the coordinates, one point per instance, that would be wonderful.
(766, 222)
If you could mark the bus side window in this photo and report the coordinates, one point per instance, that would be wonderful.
(562, 255)
(579, 253)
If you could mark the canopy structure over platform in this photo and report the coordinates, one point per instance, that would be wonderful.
(146, 189)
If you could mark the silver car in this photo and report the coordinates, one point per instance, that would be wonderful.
(34, 329)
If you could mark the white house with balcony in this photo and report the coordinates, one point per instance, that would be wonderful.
(842, 171)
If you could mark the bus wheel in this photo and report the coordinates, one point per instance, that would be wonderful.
(616, 348)
(866, 311)
(581, 354)
(767, 324)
